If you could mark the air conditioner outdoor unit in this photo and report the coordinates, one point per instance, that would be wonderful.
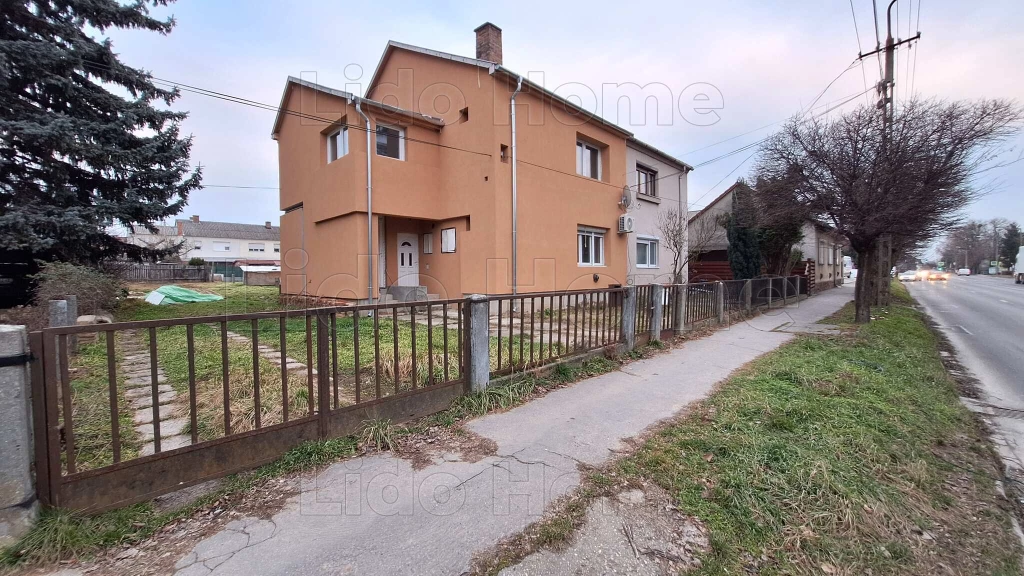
(625, 224)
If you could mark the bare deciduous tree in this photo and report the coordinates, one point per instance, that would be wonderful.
(686, 242)
(866, 179)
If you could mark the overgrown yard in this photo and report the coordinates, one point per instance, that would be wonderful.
(838, 455)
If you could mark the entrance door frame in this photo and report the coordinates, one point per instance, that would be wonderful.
(408, 275)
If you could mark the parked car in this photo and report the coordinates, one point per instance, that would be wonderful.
(963, 272)
(908, 276)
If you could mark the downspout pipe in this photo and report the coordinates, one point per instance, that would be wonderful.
(369, 202)
(512, 105)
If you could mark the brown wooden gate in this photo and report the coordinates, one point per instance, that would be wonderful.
(232, 402)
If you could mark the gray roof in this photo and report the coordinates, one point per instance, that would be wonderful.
(232, 230)
(665, 156)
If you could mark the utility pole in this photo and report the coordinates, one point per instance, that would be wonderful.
(886, 104)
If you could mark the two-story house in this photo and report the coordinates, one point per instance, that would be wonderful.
(428, 186)
(657, 202)
(221, 243)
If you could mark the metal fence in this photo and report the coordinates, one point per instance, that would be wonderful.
(701, 302)
(644, 309)
(152, 406)
(140, 272)
(533, 329)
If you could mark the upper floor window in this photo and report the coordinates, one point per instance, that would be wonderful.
(447, 240)
(277, 247)
(257, 247)
(337, 144)
(588, 160)
(645, 181)
(221, 246)
(391, 142)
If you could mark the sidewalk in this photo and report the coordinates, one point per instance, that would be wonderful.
(377, 515)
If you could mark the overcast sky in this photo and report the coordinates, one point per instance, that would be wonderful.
(767, 60)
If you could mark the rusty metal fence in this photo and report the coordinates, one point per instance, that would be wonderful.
(531, 330)
(701, 302)
(149, 407)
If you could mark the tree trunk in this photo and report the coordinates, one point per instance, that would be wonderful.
(864, 289)
(883, 257)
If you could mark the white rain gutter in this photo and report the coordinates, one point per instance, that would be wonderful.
(369, 203)
(515, 283)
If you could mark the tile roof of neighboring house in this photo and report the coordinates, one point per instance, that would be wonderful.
(281, 110)
(716, 200)
(204, 229)
(491, 68)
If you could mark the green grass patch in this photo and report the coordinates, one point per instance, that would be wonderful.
(834, 453)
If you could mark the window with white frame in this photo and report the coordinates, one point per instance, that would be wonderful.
(198, 244)
(588, 160)
(391, 142)
(221, 246)
(428, 243)
(590, 246)
(337, 144)
(645, 181)
(260, 247)
(448, 240)
(831, 253)
(277, 248)
(821, 252)
(646, 252)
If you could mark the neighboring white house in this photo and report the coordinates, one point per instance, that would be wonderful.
(222, 243)
(825, 248)
(658, 184)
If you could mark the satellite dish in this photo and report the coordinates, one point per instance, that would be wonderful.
(627, 196)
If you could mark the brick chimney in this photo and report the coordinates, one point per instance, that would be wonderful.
(488, 43)
(195, 217)
(267, 225)
(181, 228)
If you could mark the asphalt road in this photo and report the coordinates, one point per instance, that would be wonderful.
(984, 320)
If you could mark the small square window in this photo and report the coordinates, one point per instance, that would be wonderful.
(277, 247)
(391, 142)
(337, 144)
(428, 243)
(646, 178)
(448, 240)
(646, 253)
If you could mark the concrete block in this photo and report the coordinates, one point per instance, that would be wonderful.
(17, 493)
(628, 323)
(478, 369)
(658, 305)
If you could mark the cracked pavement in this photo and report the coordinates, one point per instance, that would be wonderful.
(377, 515)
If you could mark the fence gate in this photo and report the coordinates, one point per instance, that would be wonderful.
(113, 429)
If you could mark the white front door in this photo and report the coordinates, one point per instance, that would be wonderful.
(408, 260)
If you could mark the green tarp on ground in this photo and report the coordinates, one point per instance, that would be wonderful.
(172, 294)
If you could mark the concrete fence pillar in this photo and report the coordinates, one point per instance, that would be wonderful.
(628, 324)
(785, 290)
(679, 310)
(59, 313)
(478, 348)
(720, 302)
(72, 301)
(18, 507)
(748, 293)
(657, 310)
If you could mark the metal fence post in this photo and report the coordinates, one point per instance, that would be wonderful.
(478, 348)
(628, 324)
(323, 369)
(657, 310)
(18, 505)
(720, 302)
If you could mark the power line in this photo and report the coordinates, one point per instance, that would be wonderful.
(240, 187)
(270, 107)
(860, 48)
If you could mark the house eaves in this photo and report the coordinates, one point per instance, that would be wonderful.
(491, 68)
(386, 108)
(715, 201)
(645, 147)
